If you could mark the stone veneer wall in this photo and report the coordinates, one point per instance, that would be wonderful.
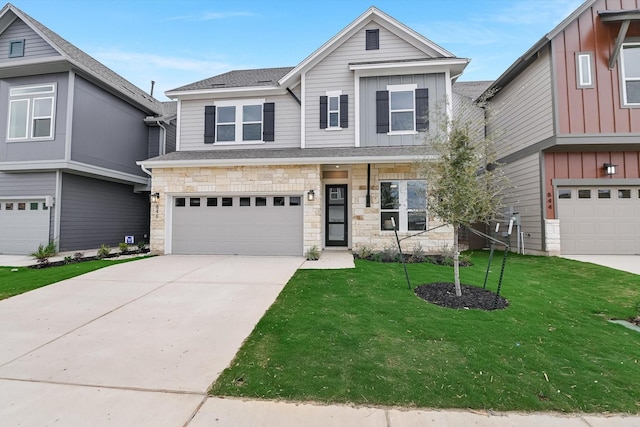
(238, 180)
(366, 221)
(552, 236)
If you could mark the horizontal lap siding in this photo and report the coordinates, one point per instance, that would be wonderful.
(524, 195)
(287, 125)
(95, 212)
(107, 131)
(333, 73)
(29, 184)
(522, 112)
(34, 45)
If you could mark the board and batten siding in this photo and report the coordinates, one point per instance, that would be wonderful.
(521, 113)
(34, 45)
(524, 195)
(107, 131)
(333, 74)
(96, 212)
(368, 88)
(29, 185)
(33, 150)
(287, 125)
(596, 109)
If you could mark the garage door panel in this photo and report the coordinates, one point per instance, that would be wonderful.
(600, 226)
(24, 225)
(243, 230)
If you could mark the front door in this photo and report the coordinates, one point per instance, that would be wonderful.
(336, 215)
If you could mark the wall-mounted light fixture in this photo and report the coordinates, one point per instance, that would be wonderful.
(311, 196)
(610, 169)
(154, 197)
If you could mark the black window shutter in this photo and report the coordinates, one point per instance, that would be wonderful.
(422, 110)
(209, 124)
(382, 111)
(372, 41)
(269, 117)
(344, 111)
(323, 112)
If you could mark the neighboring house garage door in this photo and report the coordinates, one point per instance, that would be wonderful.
(599, 220)
(246, 225)
(24, 225)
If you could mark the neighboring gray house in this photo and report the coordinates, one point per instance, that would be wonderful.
(72, 134)
(278, 161)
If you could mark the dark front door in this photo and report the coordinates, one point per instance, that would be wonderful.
(336, 215)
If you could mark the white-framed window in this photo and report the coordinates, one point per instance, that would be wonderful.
(402, 108)
(239, 122)
(31, 112)
(405, 203)
(630, 73)
(333, 110)
(584, 70)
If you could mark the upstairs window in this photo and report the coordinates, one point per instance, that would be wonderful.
(334, 113)
(584, 73)
(402, 109)
(372, 40)
(239, 122)
(31, 112)
(630, 71)
(16, 48)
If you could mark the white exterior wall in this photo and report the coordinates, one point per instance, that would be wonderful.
(332, 73)
(287, 124)
(521, 114)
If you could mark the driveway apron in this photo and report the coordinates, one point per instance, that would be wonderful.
(153, 333)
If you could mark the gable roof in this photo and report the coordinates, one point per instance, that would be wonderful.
(85, 63)
(523, 61)
(471, 90)
(239, 78)
(371, 14)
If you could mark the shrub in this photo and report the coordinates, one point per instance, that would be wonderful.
(104, 251)
(418, 254)
(390, 254)
(123, 247)
(142, 245)
(78, 256)
(365, 251)
(45, 252)
(313, 253)
(68, 259)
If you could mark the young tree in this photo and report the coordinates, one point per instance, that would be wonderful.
(465, 182)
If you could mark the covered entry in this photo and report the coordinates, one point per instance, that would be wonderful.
(238, 225)
(599, 220)
(24, 225)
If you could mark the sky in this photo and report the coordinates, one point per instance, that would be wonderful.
(177, 42)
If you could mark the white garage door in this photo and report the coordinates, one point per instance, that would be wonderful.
(24, 224)
(599, 220)
(242, 225)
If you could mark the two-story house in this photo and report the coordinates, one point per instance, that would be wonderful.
(277, 161)
(566, 119)
(70, 135)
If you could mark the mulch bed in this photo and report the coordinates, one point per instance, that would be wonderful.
(444, 295)
(76, 260)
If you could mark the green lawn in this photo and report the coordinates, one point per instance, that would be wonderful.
(25, 279)
(360, 336)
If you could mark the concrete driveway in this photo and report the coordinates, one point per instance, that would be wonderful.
(628, 263)
(133, 344)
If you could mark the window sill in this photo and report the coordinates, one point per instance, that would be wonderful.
(403, 132)
(238, 143)
(333, 129)
(48, 138)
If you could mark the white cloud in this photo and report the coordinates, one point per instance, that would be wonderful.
(534, 12)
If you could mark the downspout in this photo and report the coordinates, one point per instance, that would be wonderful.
(368, 198)
(163, 146)
(145, 170)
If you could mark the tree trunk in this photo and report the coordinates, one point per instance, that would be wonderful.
(456, 261)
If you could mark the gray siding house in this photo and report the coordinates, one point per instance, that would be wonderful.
(69, 141)
(324, 154)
